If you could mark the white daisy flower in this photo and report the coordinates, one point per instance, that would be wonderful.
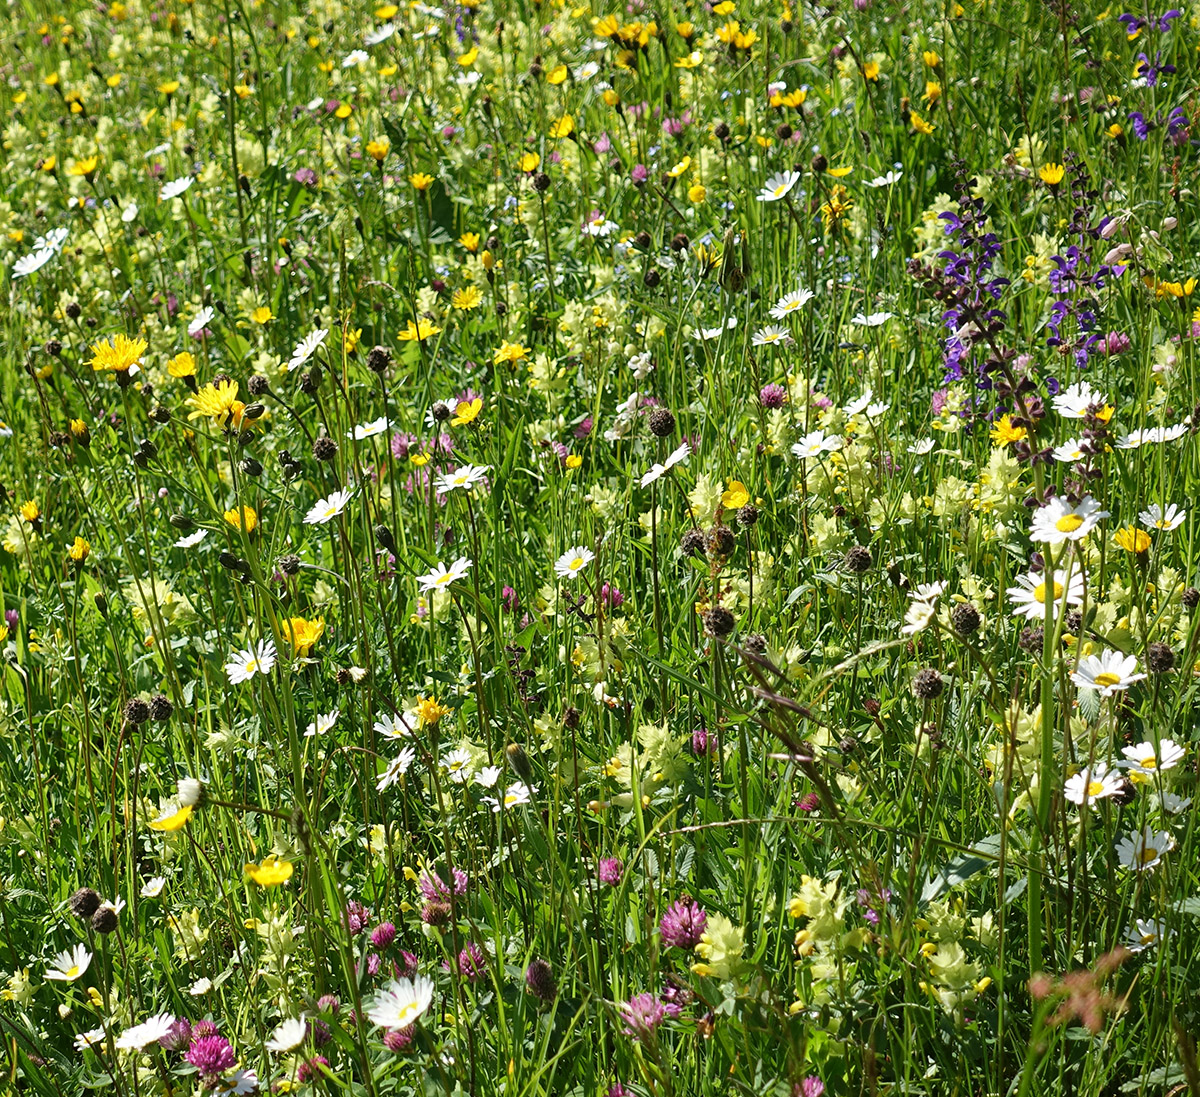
(778, 186)
(130, 212)
(922, 447)
(54, 239)
(237, 1084)
(1133, 440)
(192, 539)
(322, 724)
(1144, 935)
(355, 57)
(770, 336)
(790, 303)
(201, 320)
(1143, 852)
(814, 444)
(1144, 760)
(399, 726)
(69, 965)
(90, 1039)
(886, 180)
(465, 477)
(871, 320)
(200, 987)
(325, 510)
(1069, 452)
(379, 34)
(149, 1031)
(658, 470)
(401, 1002)
(152, 888)
(1090, 785)
(573, 561)
(442, 576)
(458, 764)
(860, 404)
(244, 665)
(1058, 521)
(1073, 402)
(1031, 592)
(34, 261)
(396, 769)
(369, 430)
(290, 1034)
(516, 794)
(1107, 672)
(1172, 804)
(488, 776)
(175, 187)
(1154, 517)
(708, 334)
(306, 348)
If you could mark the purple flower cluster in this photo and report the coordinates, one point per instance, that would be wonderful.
(644, 1013)
(683, 923)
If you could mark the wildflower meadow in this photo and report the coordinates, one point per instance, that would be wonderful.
(581, 551)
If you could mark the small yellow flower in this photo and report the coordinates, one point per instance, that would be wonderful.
(530, 161)
(79, 550)
(420, 180)
(469, 58)
(175, 821)
(574, 461)
(51, 80)
(466, 299)
(79, 428)
(246, 519)
(271, 873)
(1133, 540)
(85, 167)
(1051, 174)
(49, 164)
(870, 71)
(683, 165)
(697, 193)
(470, 241)
(419, 331)
(169, 88)
(262, 315)
(735, 496)
(509, 352)
(114, 80)
(243, 91)
(345, 110)
(430, 711)
(378, 149)
(931, 58)
(303, 634)
(556, 75)
(120, 354)
(215, 402)
(1003, 433)
(30, 511)
(182, 365)
(564, 127)
(466, 412)
(386, 11)
(919, 124)
(418, 460)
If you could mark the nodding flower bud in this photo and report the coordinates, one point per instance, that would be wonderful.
(819, 164)
(84, 903)
(384, 536)
(101, 603)
(379, 359)
(182, 523)
(289, 564)
(253, 411)
(519, 761)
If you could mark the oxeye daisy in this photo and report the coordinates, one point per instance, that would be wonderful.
(69, 965)
(573, 561)
(465, 477)
(369, 430)
(1143, 935)
(442, 576)
(258, 659)
(396, 769)
(1070, 451)
(1143, 852)
(1059, 521)
(1107, 673)
(1075, 402)
(770, 336)
(515, 795)
(148, 1032)
(323, 723)
(681, 453)
(790, 303)
(175, 187)
(289, 1034)
(778, 186)
(1145, 760)
(1097, 782)
(814, 444)
(401, 1002)
(325, 510)
(1154, 517)
(1032, 592)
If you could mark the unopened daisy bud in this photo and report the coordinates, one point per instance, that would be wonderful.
(190, 792)
(541, 182)
(101, 603)
(73, 310)
(84, 903)
(570, 718)
(384, 536)
(928, 684)
(136, 711)
(964, 619)
(310, 380)
(1160, 658)
(519, 761)
(161, 708)
(182, 523)
(289, 564)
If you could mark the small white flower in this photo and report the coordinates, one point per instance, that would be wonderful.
(815, 444)
(1142, 852)
(148, 1032)
(1107, 672)
(1059, 521)
(90, 1039)
(1144, 760)
(152, 888)
(1073, 402)
(442, 576)
(1032, 590)
(641, 365)
(192, 539)
(885, 180)
(855, 406)
(379, 34)
(465, 477)
(399, 726)
(458, 764)
(1172, 804)
(306, 348)
(770, 336)
(872, 320)
(516, 794)
(401, 1002)
(189, 791)
(1089, 785)
(573, 561)
(1069, 451)
(790, 303)
(778, 186)
(1154, 517)
(201, 320)
(396, 769)
(922, 447)
(69, 965)
(325, 510)
(130, 212)
(32, 262)
(708, 334)
(175, 187)
(323, 723)
(244, 665)
(288, 1035)
(200, 987)
(1145, 935)
(488, 776)
(369, 430)
(658, 470)
(355, 57)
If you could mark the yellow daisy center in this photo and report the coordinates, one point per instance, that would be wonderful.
(1095, 788)
(72, 971)
(1069, 523)
(1107, 679)
(1148, 763)
(1148, 854)
(1039, 592)
(576, 564)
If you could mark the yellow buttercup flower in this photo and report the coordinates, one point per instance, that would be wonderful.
(466, 412)
(378, 149)
(556, 75)
(469, 58)
(175, 821)
(530, 162)
(271, 873)
(564, 127)
(169, 88)
(509, 352)
(735, 496)
(470, 241)
(262, 315)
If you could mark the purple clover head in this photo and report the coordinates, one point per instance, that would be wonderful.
(683, 924)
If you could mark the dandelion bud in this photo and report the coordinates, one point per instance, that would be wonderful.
(384, 536)
(928, 684)
(253, 411)
(251, 467)
(651, 278)
(310, 380)
(84, 903)
(748, 515)
(570, 718)
(755, 644)
(101, 603)
(1190, 598)
(229, 561)
(642, 240)
(182, 522)
(53, 348)
(487, 259)
(680, 242)
(662, 423)
(721, 132)
(519, 761)
(783, 131)
(819, 164)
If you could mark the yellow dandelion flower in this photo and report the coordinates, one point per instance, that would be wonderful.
(303, 634)
(1133, 540)
(420, 180)
(1051, 174)
(177, 820)
(466, 299)
(121, 354)
(79, 550)
(510, 352)
(215, 402)
(419, 331)
(1003, 433)
(271, 873)
(182, 365)
(245, 519)
(262, 315)
(85, 167)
